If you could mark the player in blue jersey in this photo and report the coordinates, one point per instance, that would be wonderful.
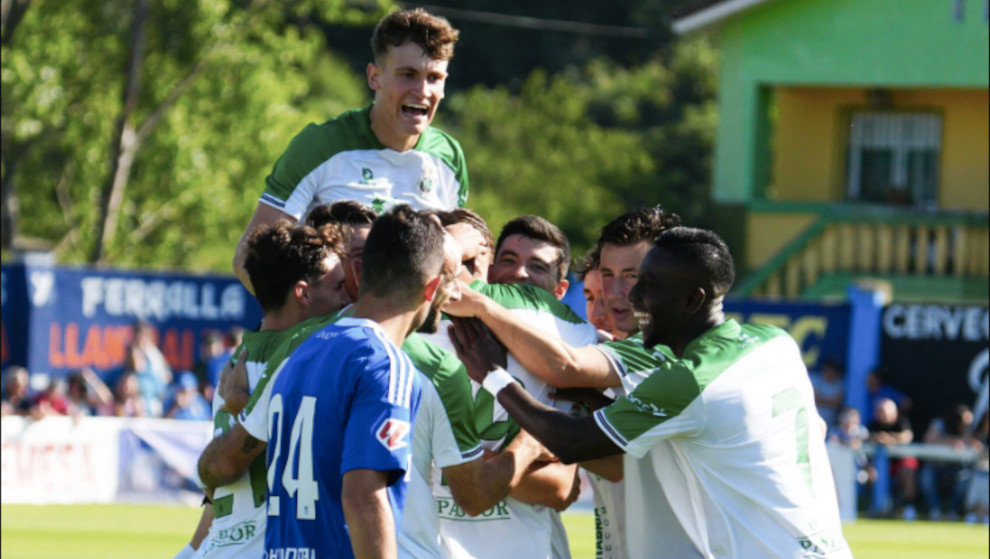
(350, 388)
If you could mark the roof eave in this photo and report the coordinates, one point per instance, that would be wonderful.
(711, 15)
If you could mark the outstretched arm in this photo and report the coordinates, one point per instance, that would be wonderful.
(480, 484)
(572, 439)
(552, 360)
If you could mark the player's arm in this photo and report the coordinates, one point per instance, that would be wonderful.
(480, 484)
(228, 456)
(551, 484)
(364, 497)
(572, 439)
(263, 215)
(609, 467)
(552, 360)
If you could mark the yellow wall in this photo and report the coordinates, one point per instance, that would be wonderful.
(768, 232)
(810, 136)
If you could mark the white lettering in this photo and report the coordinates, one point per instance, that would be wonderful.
(158, 299)
(92, 289)
(937, 322)
(209, 310)
(232, 302)
(42, 285)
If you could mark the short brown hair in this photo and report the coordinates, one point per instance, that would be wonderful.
(433, 33)
(536, 227)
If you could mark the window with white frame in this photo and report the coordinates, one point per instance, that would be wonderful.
(893, 157)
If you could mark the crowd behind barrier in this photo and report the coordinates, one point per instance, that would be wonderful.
(145, 346)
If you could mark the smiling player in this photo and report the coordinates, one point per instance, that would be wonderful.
(381, 155)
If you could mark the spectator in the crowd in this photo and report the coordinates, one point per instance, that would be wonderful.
(129, 401)
(211, 345)
(829, 387)
(946, 482)
(88, 394)
(216, 364)
(154, 373)
(150, 386)
(851, 433)
(877, 390)
(188, 402)
(978, 491)
(53, 400)
(889, 428)
(16, 400)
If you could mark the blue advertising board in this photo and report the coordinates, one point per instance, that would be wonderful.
(62, 319)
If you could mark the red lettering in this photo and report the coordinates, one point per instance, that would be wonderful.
(73, 359)
(92, 353)
(117, 338)
(55, 357)
(188, 349)
(170, 347)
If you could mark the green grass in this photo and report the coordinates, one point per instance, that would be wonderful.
(129, 531)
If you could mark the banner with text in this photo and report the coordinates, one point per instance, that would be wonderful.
(937, 355)
(100, 460)
(58, 319)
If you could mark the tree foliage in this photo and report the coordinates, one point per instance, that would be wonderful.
(205, 95)
(181, 107)
(585, 145)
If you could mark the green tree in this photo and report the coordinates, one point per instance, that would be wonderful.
(140, 133)
(587, 144)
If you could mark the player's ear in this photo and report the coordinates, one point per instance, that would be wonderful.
(561, 289)
(374, 76)
(431, 288)
(301, 292)
(696, 299)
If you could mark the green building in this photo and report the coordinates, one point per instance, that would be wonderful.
(852, 143)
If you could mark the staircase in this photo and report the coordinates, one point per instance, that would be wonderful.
(843, 244)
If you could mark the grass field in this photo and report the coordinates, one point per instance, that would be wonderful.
(128, 532)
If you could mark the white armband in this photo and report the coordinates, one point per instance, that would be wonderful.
(496, 380)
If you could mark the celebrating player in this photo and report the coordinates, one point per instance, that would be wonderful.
(383, 154)
(725, 428)
(297, 273)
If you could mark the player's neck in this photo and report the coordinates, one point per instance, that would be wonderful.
(282, 318)
(396, 322)
(389, 136)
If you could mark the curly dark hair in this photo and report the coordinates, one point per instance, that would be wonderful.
(280, 255)
(640, 224)
(592, 261)
(433, 33)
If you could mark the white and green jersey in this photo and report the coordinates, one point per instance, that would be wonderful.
(511, 528)
(634, 363)
(444, 435)
(238, 527)
(342, 159)
(254, 417)
(729, 435)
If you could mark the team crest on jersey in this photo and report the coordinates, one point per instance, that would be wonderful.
(393, 434)
(425, 184)
(367, 174)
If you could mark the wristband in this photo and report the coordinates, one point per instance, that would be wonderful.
(496, 380)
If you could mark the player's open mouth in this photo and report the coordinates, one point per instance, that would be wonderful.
(415, 110)
(643, 319)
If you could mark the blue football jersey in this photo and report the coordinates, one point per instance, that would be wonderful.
(345, 399)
